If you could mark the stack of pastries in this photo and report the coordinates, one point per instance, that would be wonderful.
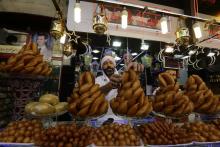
(27, 61)
(131, 100)
(87, 99)
(169, 99)
(64, 135)
(203, 132)
(203, 98)
(23, 131)
(164, 133)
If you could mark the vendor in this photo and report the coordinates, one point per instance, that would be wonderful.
(110, 81)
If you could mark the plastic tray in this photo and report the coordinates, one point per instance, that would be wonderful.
(6, 144)
(168, 117)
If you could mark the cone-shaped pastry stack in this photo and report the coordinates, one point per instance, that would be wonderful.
(87, 100)
(131, 100)
(169, 100)
(202, 97)
(27, 61)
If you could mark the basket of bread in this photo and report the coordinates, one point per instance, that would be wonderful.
(27, 61)
(48, 105)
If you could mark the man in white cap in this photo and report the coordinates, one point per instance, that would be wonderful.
(110, 81)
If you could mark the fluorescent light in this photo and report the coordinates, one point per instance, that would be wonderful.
(116, 43)
(122, 64)
(185, 57)
(117, 58)
(191, 52)
(95, 58)
(63, 39)
(144, 46)
(178, 56)
(169, 49)
(164, 25)
(134, 54)
(211, 54)
(96, 51)
(197, 30)
(77, 12)
(124, 19)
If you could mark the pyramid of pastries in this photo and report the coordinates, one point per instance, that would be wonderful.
(202, 97)
(131, 100)
(27, 61)
(169, 100)
(87, 99)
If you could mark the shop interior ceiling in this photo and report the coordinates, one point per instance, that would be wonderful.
(37, 15)
(209, 7)
(29, 14)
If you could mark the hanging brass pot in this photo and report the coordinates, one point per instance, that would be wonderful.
(57, 28)
(100, 21)
(68, 49)
(182, 36)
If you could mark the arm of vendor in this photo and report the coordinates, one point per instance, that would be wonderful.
(110, 79)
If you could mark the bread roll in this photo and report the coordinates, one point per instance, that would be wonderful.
(43, 109)
(61, 106)
(30, 106)
(50, 99)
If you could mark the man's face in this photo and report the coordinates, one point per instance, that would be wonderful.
(41, 40)
(108, 68)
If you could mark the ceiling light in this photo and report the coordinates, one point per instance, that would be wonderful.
(197, 30)
(185, 57)
(191, 52)
(124, 19)
(164, 25)
(178, 56)
(117, 58)
(77, 12)
(134, 54)
(169, 49)
(116, 43)
(144, 46)
(96, 51)
(95, 58)
(211, 54)
(63, 39)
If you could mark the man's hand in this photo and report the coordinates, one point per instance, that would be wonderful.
(135, 66)
(115, 81)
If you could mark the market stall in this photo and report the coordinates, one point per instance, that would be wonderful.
(118, 74)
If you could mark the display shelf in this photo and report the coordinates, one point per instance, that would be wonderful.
(176, 145)
(207, 117)
(5, 144)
